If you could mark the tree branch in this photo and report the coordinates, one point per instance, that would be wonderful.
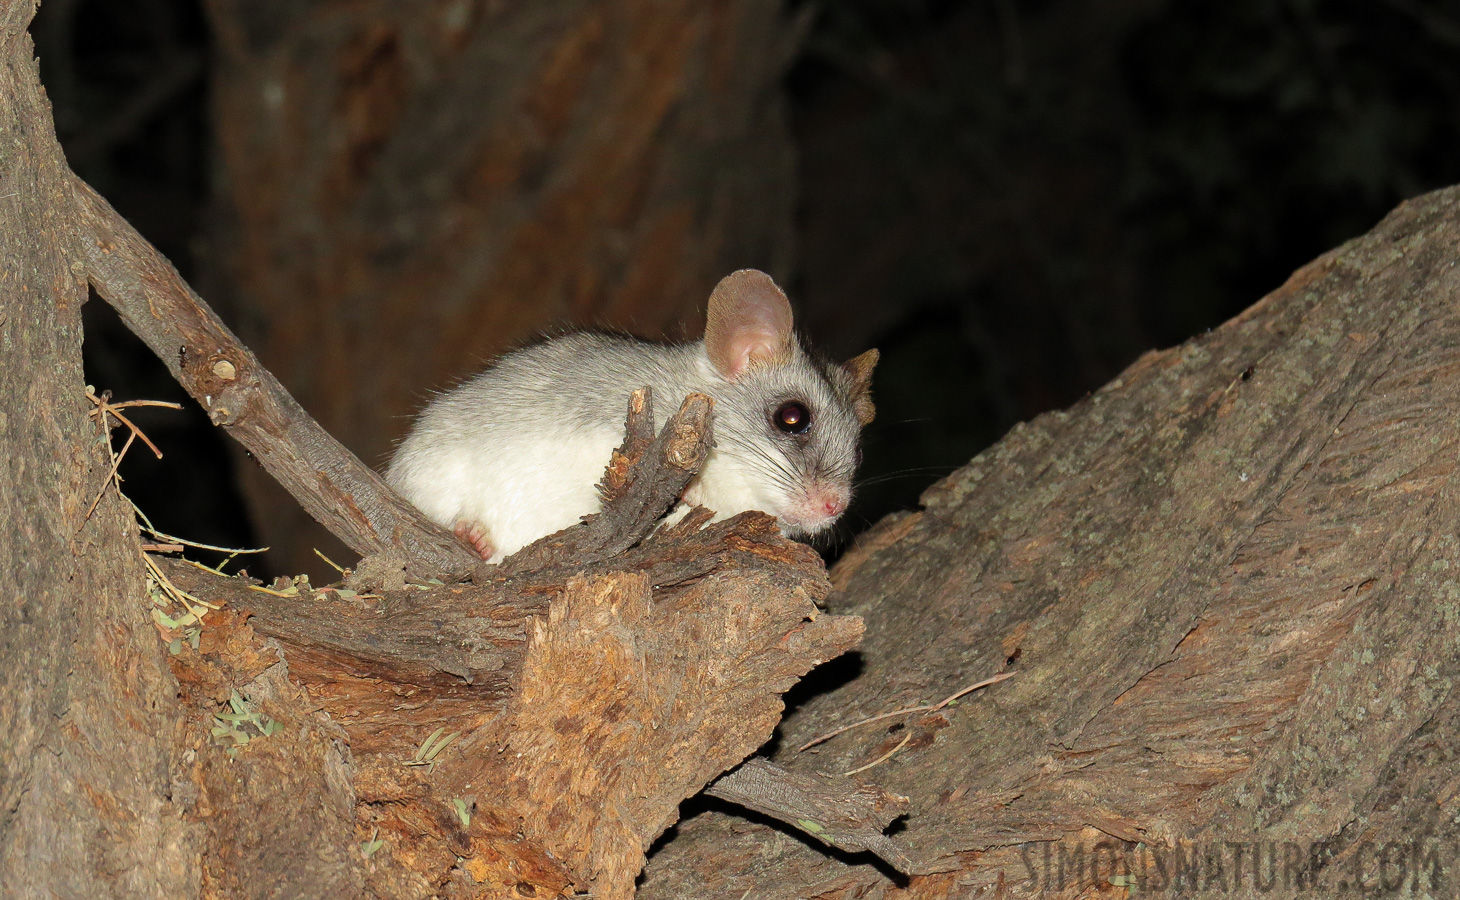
(335, 487)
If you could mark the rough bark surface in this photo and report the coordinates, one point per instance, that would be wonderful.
(1225, 583)
(277, 813)
(87, 762)
(410, 189)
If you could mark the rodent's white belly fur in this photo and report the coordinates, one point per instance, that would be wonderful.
(526, 486)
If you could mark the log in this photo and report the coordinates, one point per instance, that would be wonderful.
(1225, 585)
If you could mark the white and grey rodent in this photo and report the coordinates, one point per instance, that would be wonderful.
(515, 454)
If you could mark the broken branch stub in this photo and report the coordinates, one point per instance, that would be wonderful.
(643, 481)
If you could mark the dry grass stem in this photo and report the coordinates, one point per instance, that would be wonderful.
(1002, 676)
(181, 597)
(332, 564)
(883, 758)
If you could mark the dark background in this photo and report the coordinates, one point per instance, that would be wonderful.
(1013, 200)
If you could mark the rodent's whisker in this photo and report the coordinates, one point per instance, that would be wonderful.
(935, 471)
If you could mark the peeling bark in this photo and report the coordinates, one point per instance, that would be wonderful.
(609, 698)
(582, 689)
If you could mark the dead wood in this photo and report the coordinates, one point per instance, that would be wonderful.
(609, 701)
(1226, 581)
(240, 395)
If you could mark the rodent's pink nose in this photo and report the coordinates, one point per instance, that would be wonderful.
(834, 506)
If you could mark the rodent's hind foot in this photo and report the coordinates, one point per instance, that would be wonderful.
(474, 535)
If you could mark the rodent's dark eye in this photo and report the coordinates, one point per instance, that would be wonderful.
(792, 418)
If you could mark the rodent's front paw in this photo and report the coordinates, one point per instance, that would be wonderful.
(474, 534)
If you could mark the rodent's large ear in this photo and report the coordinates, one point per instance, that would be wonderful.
(860, 368)
(749, 321)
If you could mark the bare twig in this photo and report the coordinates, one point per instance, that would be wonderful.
(881, 759)
(644, 480)
(104, 408)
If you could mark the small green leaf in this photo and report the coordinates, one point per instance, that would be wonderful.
(810, 826)
(371, 846)
(463, 811)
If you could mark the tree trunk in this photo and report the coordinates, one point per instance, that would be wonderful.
(90, 804)
(1224, 587)
(410, 189)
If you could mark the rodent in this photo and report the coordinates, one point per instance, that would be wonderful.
(515, 453)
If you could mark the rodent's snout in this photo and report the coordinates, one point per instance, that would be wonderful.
(818, 508)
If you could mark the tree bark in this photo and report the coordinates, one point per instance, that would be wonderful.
(409, 190)
(1224, 587)
(89, 763)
